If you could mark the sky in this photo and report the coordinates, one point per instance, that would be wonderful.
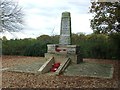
(44, 17)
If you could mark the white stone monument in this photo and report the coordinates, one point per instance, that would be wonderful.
(64, 49)
(65, 30)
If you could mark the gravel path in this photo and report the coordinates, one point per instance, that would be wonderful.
(25, 80)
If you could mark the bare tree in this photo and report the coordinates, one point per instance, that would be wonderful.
(11, 16)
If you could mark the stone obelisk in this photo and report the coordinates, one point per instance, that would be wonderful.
(64, 49)
(65, 29)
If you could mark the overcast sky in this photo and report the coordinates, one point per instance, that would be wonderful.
(44, 16)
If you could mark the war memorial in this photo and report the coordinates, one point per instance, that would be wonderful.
(65, 58)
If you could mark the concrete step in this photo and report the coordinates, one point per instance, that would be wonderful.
(63, 66)
(47, 65)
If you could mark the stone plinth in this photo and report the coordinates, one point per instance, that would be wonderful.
(62, 51)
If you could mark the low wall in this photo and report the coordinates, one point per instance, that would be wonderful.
(63, 66)
(47, 65)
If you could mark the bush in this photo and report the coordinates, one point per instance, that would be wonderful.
(36, 49)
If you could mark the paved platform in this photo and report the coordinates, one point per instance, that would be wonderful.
(90, 70)
(27, 68)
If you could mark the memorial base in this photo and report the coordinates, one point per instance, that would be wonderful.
(64, 51)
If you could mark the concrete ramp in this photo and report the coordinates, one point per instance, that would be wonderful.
(63, 66)
(45, 68)
(47, 65)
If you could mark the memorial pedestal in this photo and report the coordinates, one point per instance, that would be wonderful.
(64, 51)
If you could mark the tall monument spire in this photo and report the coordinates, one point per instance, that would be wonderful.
(65, 29)
(64, 49)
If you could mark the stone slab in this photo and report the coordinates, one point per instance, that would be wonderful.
(90, 70)
(27, 68)
(47, 66)
(83, 69)
(63, 66)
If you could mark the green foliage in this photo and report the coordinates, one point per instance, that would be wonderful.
(55, 39)
(107, 21)
(92, 46)
(44, 38)
(106, 17)
(115, 45)
(15, 47)
(36, 49)
(48, 39)
(4, 38)
(95, 46)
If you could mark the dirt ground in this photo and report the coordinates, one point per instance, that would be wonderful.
(26, 80)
